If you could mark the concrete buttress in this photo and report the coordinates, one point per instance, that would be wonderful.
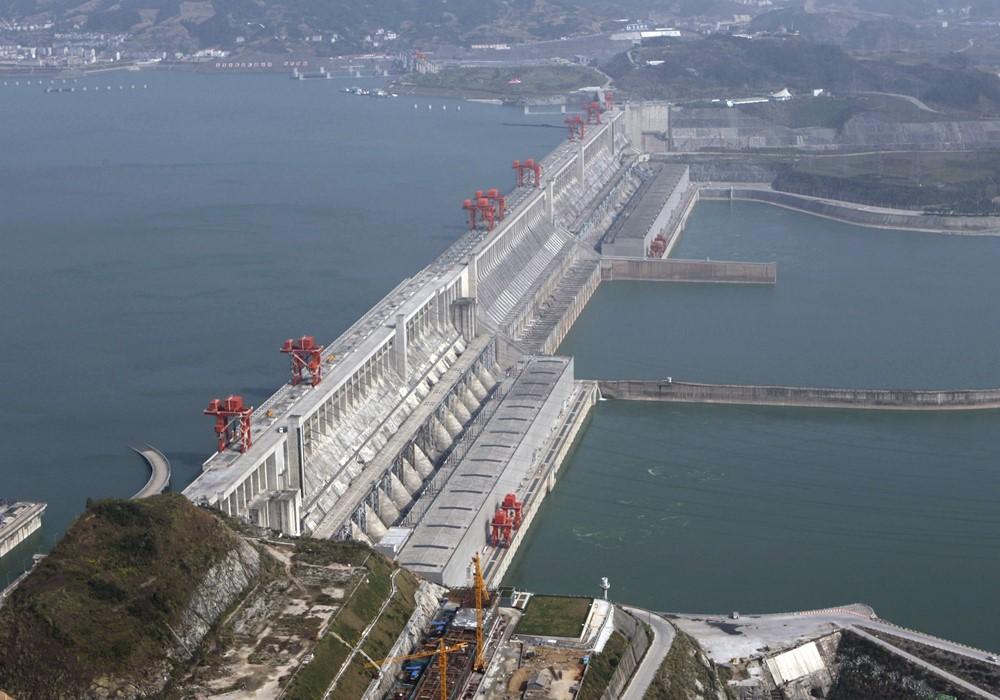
(422, 462)
(411, 479)
(451, 423)
(389, 511)
(460, 411)
(373, 524)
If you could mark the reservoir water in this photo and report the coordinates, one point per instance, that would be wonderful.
(714, 508)
(160, 241)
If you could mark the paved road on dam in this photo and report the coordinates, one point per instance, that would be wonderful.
(159, 467)
(663, 639)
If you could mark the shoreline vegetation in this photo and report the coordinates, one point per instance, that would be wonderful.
(507, 83)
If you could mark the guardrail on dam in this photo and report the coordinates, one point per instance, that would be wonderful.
(742, 394)
(672, 270)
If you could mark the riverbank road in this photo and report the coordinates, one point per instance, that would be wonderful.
(663, 638)
(725, 637)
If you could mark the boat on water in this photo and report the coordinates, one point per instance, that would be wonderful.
(368, 93)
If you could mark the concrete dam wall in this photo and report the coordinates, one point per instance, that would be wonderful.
(672, 270)
(884, 399)
(859, 214)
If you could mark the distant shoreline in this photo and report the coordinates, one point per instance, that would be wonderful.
(851, 212)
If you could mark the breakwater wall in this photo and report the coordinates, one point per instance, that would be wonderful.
(884, 399)
(863, 215)
(672, 270)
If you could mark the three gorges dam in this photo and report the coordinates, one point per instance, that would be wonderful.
(435, 425)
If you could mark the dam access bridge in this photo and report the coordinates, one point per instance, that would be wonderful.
(438, 407)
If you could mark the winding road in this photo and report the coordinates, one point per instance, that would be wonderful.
(663, 638)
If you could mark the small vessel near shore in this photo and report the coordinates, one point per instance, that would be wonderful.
(362, 92)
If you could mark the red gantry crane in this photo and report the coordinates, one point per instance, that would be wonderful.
(512, 507)
(232, 422)
(528, 167)
(306, 356)
(498, 201)
(593, 110)
(480, 209)
(501, 529)
(577, 127)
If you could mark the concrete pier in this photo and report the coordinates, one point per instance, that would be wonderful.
(853, 213)
(411, 479)
(159, 471)
(422, 462)
(881, 399)
(671, 270)
(387, 508)
(401, 494)
(18, 522)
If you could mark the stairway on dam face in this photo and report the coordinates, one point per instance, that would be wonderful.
(571, 201)
(503, 288)
(535, 336)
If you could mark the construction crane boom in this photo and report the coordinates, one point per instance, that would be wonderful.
(482, 598)
(441, 652)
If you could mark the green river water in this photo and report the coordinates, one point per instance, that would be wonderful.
(716, 508)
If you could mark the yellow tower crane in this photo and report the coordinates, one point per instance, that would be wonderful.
(482, 598)
(441, 652)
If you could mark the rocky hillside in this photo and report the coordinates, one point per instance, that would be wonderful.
(125, 596)
(159, 598)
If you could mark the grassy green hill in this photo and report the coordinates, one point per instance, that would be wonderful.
(160, 598)
(104, 601)
(724, 66)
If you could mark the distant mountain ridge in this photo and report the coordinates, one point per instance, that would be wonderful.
(722, 66)
(325, 27)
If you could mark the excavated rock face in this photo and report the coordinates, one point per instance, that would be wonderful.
(130, 591)
(219, 589)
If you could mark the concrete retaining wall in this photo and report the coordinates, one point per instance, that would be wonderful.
(427, 596)
(670, 270)
(859, 214)
(573, 311)
(636, 649)
(886, 399)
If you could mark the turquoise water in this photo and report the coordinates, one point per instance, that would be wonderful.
(160, 243)
(712, 509)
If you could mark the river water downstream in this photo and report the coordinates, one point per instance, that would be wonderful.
(715, 508)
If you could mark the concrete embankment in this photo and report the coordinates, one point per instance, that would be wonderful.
(159, 471)
(884, 399)
(672, 270)
(848, 212)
